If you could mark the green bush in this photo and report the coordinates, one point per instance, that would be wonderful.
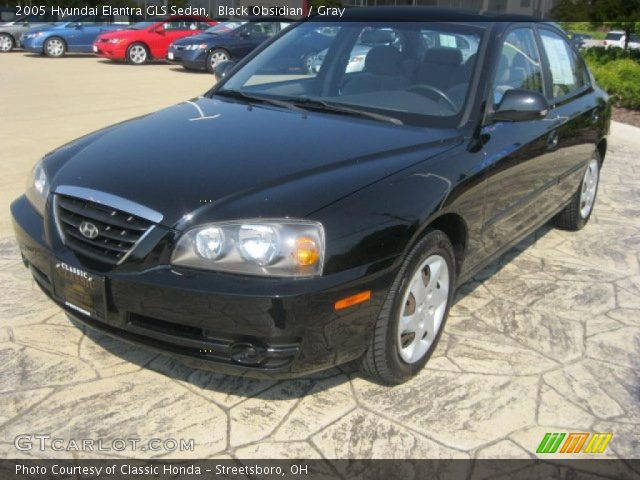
(602, 55)
(621, 79)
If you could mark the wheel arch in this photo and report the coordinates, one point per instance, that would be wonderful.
(602, 149)
(454, 227)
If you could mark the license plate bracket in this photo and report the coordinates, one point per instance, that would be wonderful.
(80, 290)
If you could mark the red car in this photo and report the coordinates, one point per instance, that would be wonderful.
(150, 39)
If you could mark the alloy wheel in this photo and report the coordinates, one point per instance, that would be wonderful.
(589, 188)
(424, 307)
(6, 43)
(216, 57)
(138, 54)
(55, 47)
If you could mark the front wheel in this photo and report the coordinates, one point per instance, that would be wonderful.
(215, 57)
(6, 42)
(55, 47)
(137, 54)
(576, 215)
(415, 310)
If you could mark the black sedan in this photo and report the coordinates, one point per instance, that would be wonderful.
(227, 41)
(286, 222)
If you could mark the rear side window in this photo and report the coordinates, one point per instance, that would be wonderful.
(613, 36)
(519, 65)
(568, 73)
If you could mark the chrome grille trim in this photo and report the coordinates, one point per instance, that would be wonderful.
(120, 231)
(110, 201)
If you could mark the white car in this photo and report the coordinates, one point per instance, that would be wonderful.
(616, 38)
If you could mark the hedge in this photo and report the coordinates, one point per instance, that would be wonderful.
(618, 72)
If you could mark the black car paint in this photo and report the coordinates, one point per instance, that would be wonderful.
(375, 187)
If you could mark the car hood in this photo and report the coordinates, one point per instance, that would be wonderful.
(202, 38)
(216, 158)
(125, 33)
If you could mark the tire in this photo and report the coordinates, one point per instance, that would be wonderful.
(390, 359)
(7, 43)
(216, 56)
(54, 47)
(578, 212)
(137, 54)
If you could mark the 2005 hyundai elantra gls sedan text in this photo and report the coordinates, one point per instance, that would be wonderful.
(287, 221)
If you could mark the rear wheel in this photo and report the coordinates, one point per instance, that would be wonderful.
(576, 215)
(6, 42)
(411, 320)
(215, 57)
(55, 47)
(137, 54)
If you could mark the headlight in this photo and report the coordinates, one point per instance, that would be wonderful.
(33, 35)
(114, 40)
(277, 248)
(38, 187)
(201, 46)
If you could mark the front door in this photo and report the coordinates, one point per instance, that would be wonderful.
(520, 155)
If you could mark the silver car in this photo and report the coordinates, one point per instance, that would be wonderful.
(10, 32)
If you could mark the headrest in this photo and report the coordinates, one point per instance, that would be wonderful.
(383, 60)
(448, 55)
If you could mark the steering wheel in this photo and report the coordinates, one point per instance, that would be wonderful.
(431, 90)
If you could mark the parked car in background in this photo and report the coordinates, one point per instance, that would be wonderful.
(12, 31)
(579, 40)
(7, 14)
(150, 39)
(226, 41)
(74, 36)
(616, 38)
(281, 223)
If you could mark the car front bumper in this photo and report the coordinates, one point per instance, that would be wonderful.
(193, 59)
(260, 327)
(33, 44)
(109, 50)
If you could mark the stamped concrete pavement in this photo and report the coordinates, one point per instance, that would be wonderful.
(546, 339)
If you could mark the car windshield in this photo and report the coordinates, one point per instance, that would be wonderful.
(224, 27)
(145, 24)
(415, 73)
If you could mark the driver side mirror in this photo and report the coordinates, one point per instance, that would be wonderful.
(78, 26)
(245, 34)
(221, 69)
(520, 105)
(160, 29)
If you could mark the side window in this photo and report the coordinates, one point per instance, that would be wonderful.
(262, 29)
(567, 71)
(519, 64)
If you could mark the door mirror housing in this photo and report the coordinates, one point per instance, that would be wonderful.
(160, 29)
(520, 105)
(78, 26)
(221, 69)
(245, 34)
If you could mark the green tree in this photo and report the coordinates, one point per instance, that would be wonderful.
(621, 14)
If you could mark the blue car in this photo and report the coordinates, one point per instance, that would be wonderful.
(230, 40)
(74, 36)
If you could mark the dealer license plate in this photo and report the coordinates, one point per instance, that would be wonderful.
(95, 49)
(170, 55)
(79, 290)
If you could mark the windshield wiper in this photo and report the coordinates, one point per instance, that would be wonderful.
(258, 98)
(316, 104)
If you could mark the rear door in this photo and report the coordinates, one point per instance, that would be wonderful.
(573, 104)
(519, 154)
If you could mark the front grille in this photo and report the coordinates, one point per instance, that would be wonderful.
(118, 231)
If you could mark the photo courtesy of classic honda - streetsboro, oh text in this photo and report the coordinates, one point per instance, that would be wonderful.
(301, 214)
